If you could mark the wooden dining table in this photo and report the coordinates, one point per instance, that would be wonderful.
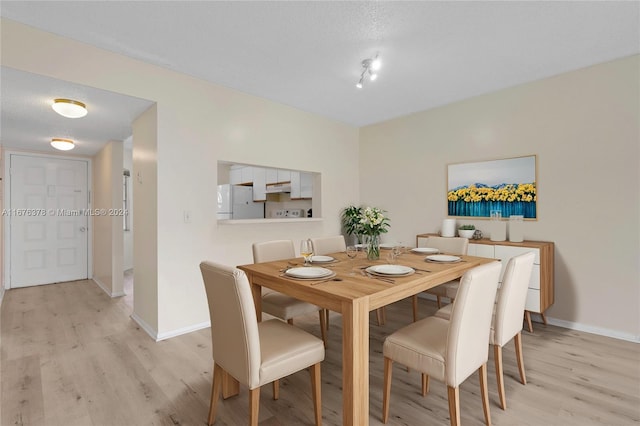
(354, 296)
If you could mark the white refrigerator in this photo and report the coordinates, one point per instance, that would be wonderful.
(236, 202)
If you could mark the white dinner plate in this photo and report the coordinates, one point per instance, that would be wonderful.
(322, 259)
(309, 272)
(442, 258)
(390, 270)
(425, 250)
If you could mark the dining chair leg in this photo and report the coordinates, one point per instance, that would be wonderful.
(497, 356)
(439, 302)
(484, 390)
(414, 302)
(316, 392)
(380, 316)
(323, 327)
(215, 393)
(518, 342)
(527, 316)
(453, 395)
(425, 384)
(326, 313)
(254, 405)
(386, 386)
(230, 386)
(276, 389)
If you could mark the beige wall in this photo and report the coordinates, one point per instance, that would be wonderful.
(584, 128)
(107, 229)
(198, 124)
(145, 220)
(582, 125)
(127, 258)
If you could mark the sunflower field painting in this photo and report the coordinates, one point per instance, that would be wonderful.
(508, 186)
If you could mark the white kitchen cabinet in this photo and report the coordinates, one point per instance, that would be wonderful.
(295, 185)
(272, 176)
(247, 175)
(241, 175)
(284, 175)
(235, 176)
(301, 185)
(259, 184)
(306, 185)
(540, 294)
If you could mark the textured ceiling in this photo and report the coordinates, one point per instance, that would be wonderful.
(308, 54)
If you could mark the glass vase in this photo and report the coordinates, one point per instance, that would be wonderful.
(373, 247)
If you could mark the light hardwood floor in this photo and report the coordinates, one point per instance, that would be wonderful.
(70, 355)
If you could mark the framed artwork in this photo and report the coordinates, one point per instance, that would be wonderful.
(482, 188)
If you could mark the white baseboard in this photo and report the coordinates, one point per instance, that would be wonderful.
(153, 333)
(594, 330)
(571, 325)
(183, 330)
(146, 327)
(106, 290)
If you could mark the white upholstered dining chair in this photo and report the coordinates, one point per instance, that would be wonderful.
(450, 351)
(328, 245)
(278, 304)
(448, 245)
(254, 353)
(507, 319)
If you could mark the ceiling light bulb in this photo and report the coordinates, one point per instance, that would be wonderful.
(69, 108)
(62, 144)
(373, 76)
(359, 84)
(376, 64)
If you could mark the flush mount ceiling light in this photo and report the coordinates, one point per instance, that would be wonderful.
(62, 144)
(69, 108)
(370, 66)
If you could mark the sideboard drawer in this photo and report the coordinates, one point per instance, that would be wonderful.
(533, 300)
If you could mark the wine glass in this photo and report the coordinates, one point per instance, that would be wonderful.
(352, 252)
(306, 251)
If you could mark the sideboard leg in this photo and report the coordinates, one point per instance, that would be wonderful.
(527, 316)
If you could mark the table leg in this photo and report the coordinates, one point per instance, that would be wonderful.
(355, 363)
(256, 291)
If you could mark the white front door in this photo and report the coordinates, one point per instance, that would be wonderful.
(48, 221)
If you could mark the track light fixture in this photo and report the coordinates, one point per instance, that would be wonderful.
(370, 66)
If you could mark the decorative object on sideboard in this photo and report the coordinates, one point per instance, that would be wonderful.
(498, 230)
(448, 228)
(477, 235)
(466, 231)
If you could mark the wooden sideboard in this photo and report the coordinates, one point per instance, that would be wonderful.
(540, 294)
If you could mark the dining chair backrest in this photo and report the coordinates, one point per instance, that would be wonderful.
(512, 298)
(468, 335)
(328, 245)
(234, 325)
(453, 245)
(270, 251)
